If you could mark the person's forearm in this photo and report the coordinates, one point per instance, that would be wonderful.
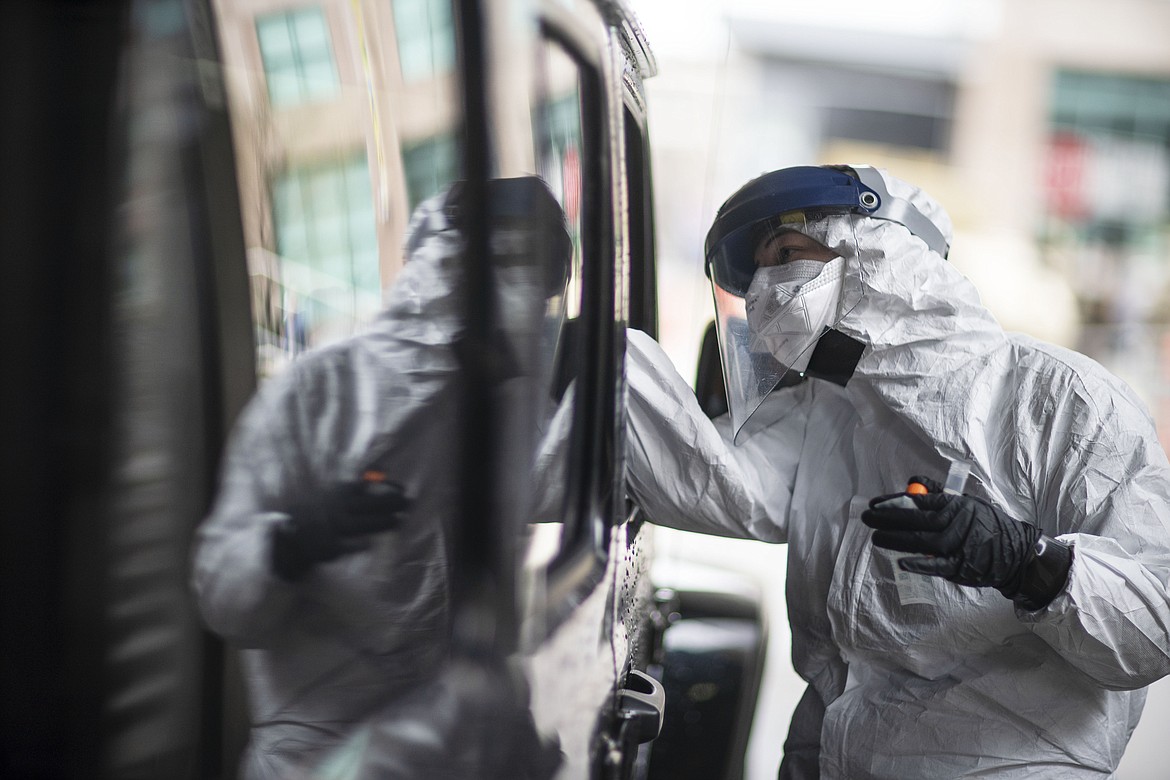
(1111, 619)
(681, 471)
(239, 596)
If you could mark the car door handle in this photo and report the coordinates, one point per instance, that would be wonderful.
(642, 704)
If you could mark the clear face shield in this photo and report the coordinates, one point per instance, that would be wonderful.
(778, 284)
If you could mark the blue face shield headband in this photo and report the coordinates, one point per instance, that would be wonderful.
(861, 191)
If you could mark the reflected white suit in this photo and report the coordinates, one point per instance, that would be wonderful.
(912, 676)
(328, 651)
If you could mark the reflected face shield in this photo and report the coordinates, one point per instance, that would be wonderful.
(778, 285)
(529, 281)
(530, 260)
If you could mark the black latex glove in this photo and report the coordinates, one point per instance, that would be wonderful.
(963, 539)
(334, 522)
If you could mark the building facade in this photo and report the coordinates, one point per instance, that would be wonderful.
(345, 117)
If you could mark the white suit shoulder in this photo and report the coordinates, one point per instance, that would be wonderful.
(1102, 391)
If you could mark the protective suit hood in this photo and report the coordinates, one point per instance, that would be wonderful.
(790, 254)
(912, 299)
(920, 321)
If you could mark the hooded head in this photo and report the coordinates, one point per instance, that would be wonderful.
(530, 262)
(811, 266)
(917, 314)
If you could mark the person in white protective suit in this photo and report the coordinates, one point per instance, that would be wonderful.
(1004, 629)
(326, 554)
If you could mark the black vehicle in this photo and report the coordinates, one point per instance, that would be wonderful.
(198, 192)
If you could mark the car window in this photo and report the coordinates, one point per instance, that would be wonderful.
(557, 132)
(572, 520)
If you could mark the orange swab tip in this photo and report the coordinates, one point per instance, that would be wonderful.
(916, 489)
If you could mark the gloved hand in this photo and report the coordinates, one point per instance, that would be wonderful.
(334, 522)
(970, 542)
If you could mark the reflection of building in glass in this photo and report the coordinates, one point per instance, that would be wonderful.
(298, 57)
(428, 164)
(324, 219)
(426, 46)
(345, 116)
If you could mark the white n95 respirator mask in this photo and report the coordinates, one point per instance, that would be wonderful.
(788, 307)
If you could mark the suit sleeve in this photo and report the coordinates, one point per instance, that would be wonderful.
(681, 470)
(239, 596)
(1110, 499)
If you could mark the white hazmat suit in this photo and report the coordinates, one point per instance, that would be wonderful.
(912, 676)
(322, 654)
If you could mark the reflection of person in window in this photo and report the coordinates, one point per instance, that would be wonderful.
(325, 555)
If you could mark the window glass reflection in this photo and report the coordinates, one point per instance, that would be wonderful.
(428, 165)
(337, 141)
(324, 219)
(557, 123)
(558, 146)
(345, 480)
(426, 38)
(298, 59)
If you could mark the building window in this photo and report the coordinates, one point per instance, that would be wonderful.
(426, 38)
(1109, 152)
(328, 248)
(1106, 224)
(297, 55)
(429, 165)
(892, 128)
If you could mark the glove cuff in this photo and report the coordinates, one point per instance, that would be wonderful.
(1044, 575)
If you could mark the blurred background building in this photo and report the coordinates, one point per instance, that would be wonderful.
(1042, 126)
